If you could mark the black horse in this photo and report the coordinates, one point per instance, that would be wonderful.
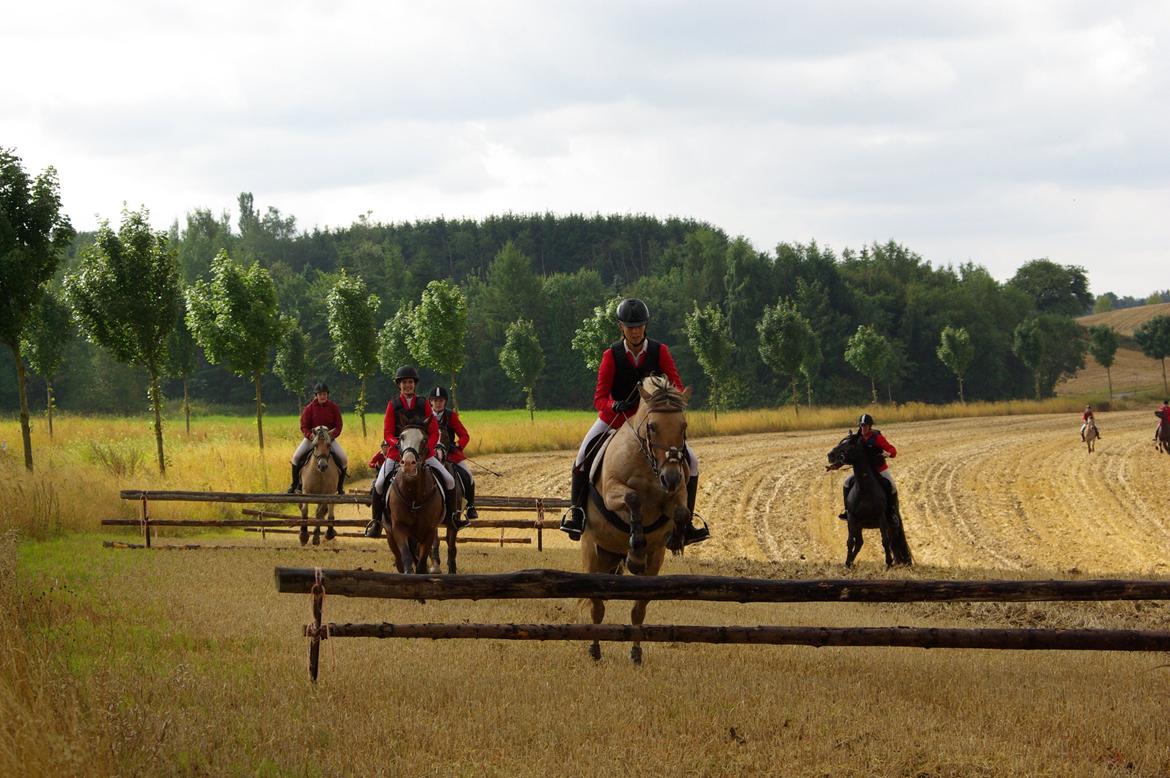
(460, 502)
(867, 503)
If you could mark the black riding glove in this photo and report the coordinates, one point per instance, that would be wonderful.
(623, 406)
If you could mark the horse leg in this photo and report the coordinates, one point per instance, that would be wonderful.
(452, 540)
(423, 565)
(304, 534)
(330, 532)
(638, 612)
(598, 560)
(636, 556)
(854, 542)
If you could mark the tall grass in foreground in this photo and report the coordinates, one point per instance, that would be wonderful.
(91, 458)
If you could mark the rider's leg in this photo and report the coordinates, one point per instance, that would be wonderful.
(892, 508)
(378, 498)
(845, 497)
(297, 460)
(1083, 433)
(464, 473)
(573, 520)
(448, 490)
(693, 534)
(342, 464)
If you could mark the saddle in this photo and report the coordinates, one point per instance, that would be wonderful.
(599, 501)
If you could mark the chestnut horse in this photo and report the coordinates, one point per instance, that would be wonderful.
(414, 506)
(319, 475)
(642, 485)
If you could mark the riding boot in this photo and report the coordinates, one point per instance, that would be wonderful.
(341, 480)
(377, 512)
(845, 501)
(296, 479)
(693, 534)
(573, 520)
(469, 494)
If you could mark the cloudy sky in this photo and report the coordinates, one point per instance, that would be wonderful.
(987, 132)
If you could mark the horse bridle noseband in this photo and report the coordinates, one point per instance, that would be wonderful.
(647, 445)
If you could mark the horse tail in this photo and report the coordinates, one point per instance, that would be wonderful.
(900, 548)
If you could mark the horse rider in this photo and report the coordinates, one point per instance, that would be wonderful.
(876, 442)
(405, 410)
(448, 420)
(616, 398)
(1163, 415)
(320, 412)
(1087, 417)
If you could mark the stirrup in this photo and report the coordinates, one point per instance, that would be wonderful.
(573, 522)
(458, 520)
(373, 530)
(693, 534)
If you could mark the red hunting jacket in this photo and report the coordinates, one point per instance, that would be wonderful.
(603, 398)
(325, 414)
(876, 438)
(459, 434)
(426, 417)
(1086, 416)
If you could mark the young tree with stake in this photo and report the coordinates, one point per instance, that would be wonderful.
(522, 359)
(440, 323)
(352, 311)
(956, 352)
(44, 342)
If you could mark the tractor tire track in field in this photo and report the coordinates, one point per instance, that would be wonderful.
(1005, 493)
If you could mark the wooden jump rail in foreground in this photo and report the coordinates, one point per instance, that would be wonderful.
(267, 519)
(541, 584)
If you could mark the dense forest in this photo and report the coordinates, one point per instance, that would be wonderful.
(554, 270)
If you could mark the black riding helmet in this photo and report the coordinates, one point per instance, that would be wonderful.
(632, 312)
(320, 386)
(439, 393)
(406, 371)
(865, 419)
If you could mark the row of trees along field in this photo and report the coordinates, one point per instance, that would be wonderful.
(511, 307)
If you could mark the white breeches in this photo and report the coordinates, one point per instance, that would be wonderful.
(389, 467)
(884, 474)
(599, 427)
(463, 468)
(307, 445)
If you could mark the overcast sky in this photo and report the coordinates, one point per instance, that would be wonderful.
(986, 132)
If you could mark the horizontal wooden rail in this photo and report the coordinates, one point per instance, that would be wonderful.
(529, 584)
(231, 522)
(459, 538)
(199, 547)
(910, 637)
(477, 523)
(247, 497)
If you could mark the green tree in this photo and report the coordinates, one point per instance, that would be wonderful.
(868, 352)
(710, 337)
(441, 328)
(34, 234)
(292, 358)
(1052, 347)
(1057, 289)
(810, 365)
(1104, 302)
(522, 359)
(1103, 347)
(785, 337)
(352, 312)
(397, 340)
(596, 334)
(48, 333)
(1153, 338)
(236, 321)
(956, 352)
(181, 357)
(125, 295)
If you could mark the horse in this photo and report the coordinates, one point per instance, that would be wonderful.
(642, 486)
(414, 506)
(452, 530)
(319, 475)
(1162, 442)
(1091, 435)
(866, 503)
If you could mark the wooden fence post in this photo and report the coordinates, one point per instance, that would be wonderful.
(540, 524)
(146, 520)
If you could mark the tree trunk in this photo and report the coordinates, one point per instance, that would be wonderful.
(795, 397)
(873, 390)
(156, 406)
(531, 403)
(808, 385)
(715, 399)
(1164, 389)
(961, 399)
(25, 429)
(454, 399)
(362, 407)
(259, 410)
(186, 406)
(49, 405)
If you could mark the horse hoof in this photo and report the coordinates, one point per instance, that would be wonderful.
(595, 652)
(636, 654)
(304, 537)
(330, 534)
(317, 538)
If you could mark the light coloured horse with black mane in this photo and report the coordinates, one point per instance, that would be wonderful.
(319, 475)
(642, 483)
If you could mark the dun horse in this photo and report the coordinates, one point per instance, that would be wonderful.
(866, 503)
(1091, 435)
(642, 486)
(319, 475)
(414, 506)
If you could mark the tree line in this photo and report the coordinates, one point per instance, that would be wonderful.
(510, 310)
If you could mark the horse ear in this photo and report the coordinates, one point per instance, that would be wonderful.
(687, 395)
(642, 391)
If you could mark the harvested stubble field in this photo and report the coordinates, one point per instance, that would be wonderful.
(190, 663)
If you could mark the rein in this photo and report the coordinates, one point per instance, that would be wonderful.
(647, 445)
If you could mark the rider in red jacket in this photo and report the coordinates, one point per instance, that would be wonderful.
(320, 412)
(1163, 415)
(449, 422)
(874, 439)
(1086, 417)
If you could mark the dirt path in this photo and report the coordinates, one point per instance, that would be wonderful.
(1007, 493)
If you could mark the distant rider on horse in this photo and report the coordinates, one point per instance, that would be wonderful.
(320, 412)
(1163, 415)
(1087, 417)
(876, 445)
(616, 398)
(449, 421)
(406, 410)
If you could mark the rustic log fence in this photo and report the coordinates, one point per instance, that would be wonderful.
(280, 523)
(549, 584)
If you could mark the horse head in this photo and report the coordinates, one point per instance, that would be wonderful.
(412, 444)
(660, 425)
(322, 440)
(850, 451)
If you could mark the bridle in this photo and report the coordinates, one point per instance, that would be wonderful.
(648, 446)
(318, 457)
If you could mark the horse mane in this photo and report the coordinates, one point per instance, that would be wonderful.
(663, 395)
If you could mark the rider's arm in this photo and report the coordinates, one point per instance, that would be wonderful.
(461, 433)
(602, 400)
(886, 446)
(388, 426)
(666, 362)
(336, 431)
(306, 425)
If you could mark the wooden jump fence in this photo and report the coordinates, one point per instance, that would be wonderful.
(280, 523)
(547, 584)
